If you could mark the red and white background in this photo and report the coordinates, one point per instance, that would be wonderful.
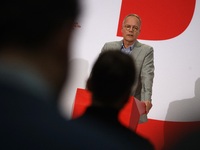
(172, 27)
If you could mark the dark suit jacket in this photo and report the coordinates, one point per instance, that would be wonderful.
(144, 63)
(103, 129)
(29, 118)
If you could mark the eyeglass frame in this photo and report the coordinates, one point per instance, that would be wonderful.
(134, 28)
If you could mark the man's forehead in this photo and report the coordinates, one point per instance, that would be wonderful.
(131, 18)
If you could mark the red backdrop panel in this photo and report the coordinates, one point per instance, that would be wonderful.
(163, 134)
(161, 19)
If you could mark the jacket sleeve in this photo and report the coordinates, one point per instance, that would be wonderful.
(147, 75)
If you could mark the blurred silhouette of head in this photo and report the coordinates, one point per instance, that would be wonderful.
(37, 33)
(111, 79)
(31, 23)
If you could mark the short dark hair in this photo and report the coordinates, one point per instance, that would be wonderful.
(31, 22)
(112, 75)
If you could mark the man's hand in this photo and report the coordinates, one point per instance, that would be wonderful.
(148, 105)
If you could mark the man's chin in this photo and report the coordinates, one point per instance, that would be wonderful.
(130, 40)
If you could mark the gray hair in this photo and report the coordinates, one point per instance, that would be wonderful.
(132, 15)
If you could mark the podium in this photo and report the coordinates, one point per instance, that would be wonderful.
(128, 116)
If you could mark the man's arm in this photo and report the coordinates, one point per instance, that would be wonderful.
(147, 75)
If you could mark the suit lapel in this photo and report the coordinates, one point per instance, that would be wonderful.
(119, 44)
(136, 50)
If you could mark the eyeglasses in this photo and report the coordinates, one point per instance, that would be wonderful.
(134, 28)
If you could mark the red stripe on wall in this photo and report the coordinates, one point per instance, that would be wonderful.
(163, 134)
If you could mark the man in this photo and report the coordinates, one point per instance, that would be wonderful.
(34, 50)
(143, 57)
(100, 121)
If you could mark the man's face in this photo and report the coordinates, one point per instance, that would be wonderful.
(131, 29)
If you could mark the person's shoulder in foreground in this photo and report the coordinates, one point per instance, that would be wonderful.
(34, 51)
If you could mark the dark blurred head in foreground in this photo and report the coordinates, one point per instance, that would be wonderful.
(37, 33)
(111, 79)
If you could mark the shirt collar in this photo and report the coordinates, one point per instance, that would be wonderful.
(127, 50)
(130, 47)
